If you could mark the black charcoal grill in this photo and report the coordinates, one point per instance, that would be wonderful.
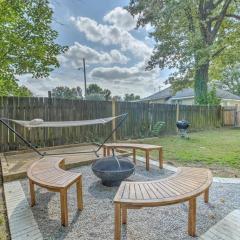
(182, 126)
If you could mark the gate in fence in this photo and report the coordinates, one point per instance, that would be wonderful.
(231, 116)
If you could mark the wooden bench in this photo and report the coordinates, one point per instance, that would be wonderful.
(185, 185)
(144, 147)
(48, 173)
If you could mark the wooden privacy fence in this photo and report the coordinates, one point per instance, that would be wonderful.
(231, 116)
(141, 118)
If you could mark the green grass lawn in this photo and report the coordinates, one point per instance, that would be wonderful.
(217, 149)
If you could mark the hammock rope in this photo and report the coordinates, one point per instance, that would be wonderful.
(39, 123)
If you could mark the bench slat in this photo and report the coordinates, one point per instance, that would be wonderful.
(186, 183)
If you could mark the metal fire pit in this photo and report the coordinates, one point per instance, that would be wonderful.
(108, 170)
(182, 126)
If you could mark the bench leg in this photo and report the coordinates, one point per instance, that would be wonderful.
(147, 160)
(108, 151)
(117, 230)
(206, 196)
(192, 217)
(104, 151)
(64, 208)
(32, 193)
(124, 215)
(79, 194)
(134, 155)
(161, 158)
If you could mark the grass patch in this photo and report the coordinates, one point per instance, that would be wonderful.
(214, 148)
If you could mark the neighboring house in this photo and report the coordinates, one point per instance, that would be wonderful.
(186, 97)
(162, 96)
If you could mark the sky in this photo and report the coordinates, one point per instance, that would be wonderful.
(105, 34)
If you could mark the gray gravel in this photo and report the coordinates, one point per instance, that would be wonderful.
(96, 220)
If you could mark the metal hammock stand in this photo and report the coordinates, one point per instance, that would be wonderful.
(122, 117)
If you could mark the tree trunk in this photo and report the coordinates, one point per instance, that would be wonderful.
(200, 84)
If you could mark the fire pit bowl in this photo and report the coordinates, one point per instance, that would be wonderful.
(109, 171)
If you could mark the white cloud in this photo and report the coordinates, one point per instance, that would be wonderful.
(120, 18)
(127, 80)
(77, 52)
(135, 78)
(111, 35)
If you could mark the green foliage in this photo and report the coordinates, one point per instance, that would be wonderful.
(67, 93)
(95, 97)
(212, 97)
(117, 98)
(158, 128)
(9, 87)
(27, 41)
(191, 36)
(230, 79)
(95, 92)
(131, 97)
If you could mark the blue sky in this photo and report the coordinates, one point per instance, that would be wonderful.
(104, 34)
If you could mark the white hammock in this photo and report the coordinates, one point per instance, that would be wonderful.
(36, 123)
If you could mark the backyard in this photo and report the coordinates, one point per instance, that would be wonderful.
(119, 120)
(217, 149)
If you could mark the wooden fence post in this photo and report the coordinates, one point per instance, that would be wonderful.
(177, 115)
(114, 120)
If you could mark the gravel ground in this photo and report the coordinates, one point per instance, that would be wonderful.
(96, 220)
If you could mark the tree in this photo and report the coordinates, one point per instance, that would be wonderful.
(117, 98)
(11, 88)
(27, 41)
(95, 90)
(230, 79)
(131, 97)
(191, 36)
(67, 93)
(95, 97)
(212, 96)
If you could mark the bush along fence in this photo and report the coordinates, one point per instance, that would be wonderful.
(144, 120)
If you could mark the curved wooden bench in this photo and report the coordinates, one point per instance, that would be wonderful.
(48, 173)
(144, 147)
(185, 185)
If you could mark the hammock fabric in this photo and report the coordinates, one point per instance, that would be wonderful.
(40, 123)
(36, 123)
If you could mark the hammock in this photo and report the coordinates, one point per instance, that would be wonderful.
(36, 123)
(40, 123)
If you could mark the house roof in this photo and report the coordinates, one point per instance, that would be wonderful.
(163, 94)
(189, 93)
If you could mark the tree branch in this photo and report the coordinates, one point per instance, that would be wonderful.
(220, 18)
(233, 16)
(217, 3)
(218, 52)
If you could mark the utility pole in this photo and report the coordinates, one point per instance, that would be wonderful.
(85, 79)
